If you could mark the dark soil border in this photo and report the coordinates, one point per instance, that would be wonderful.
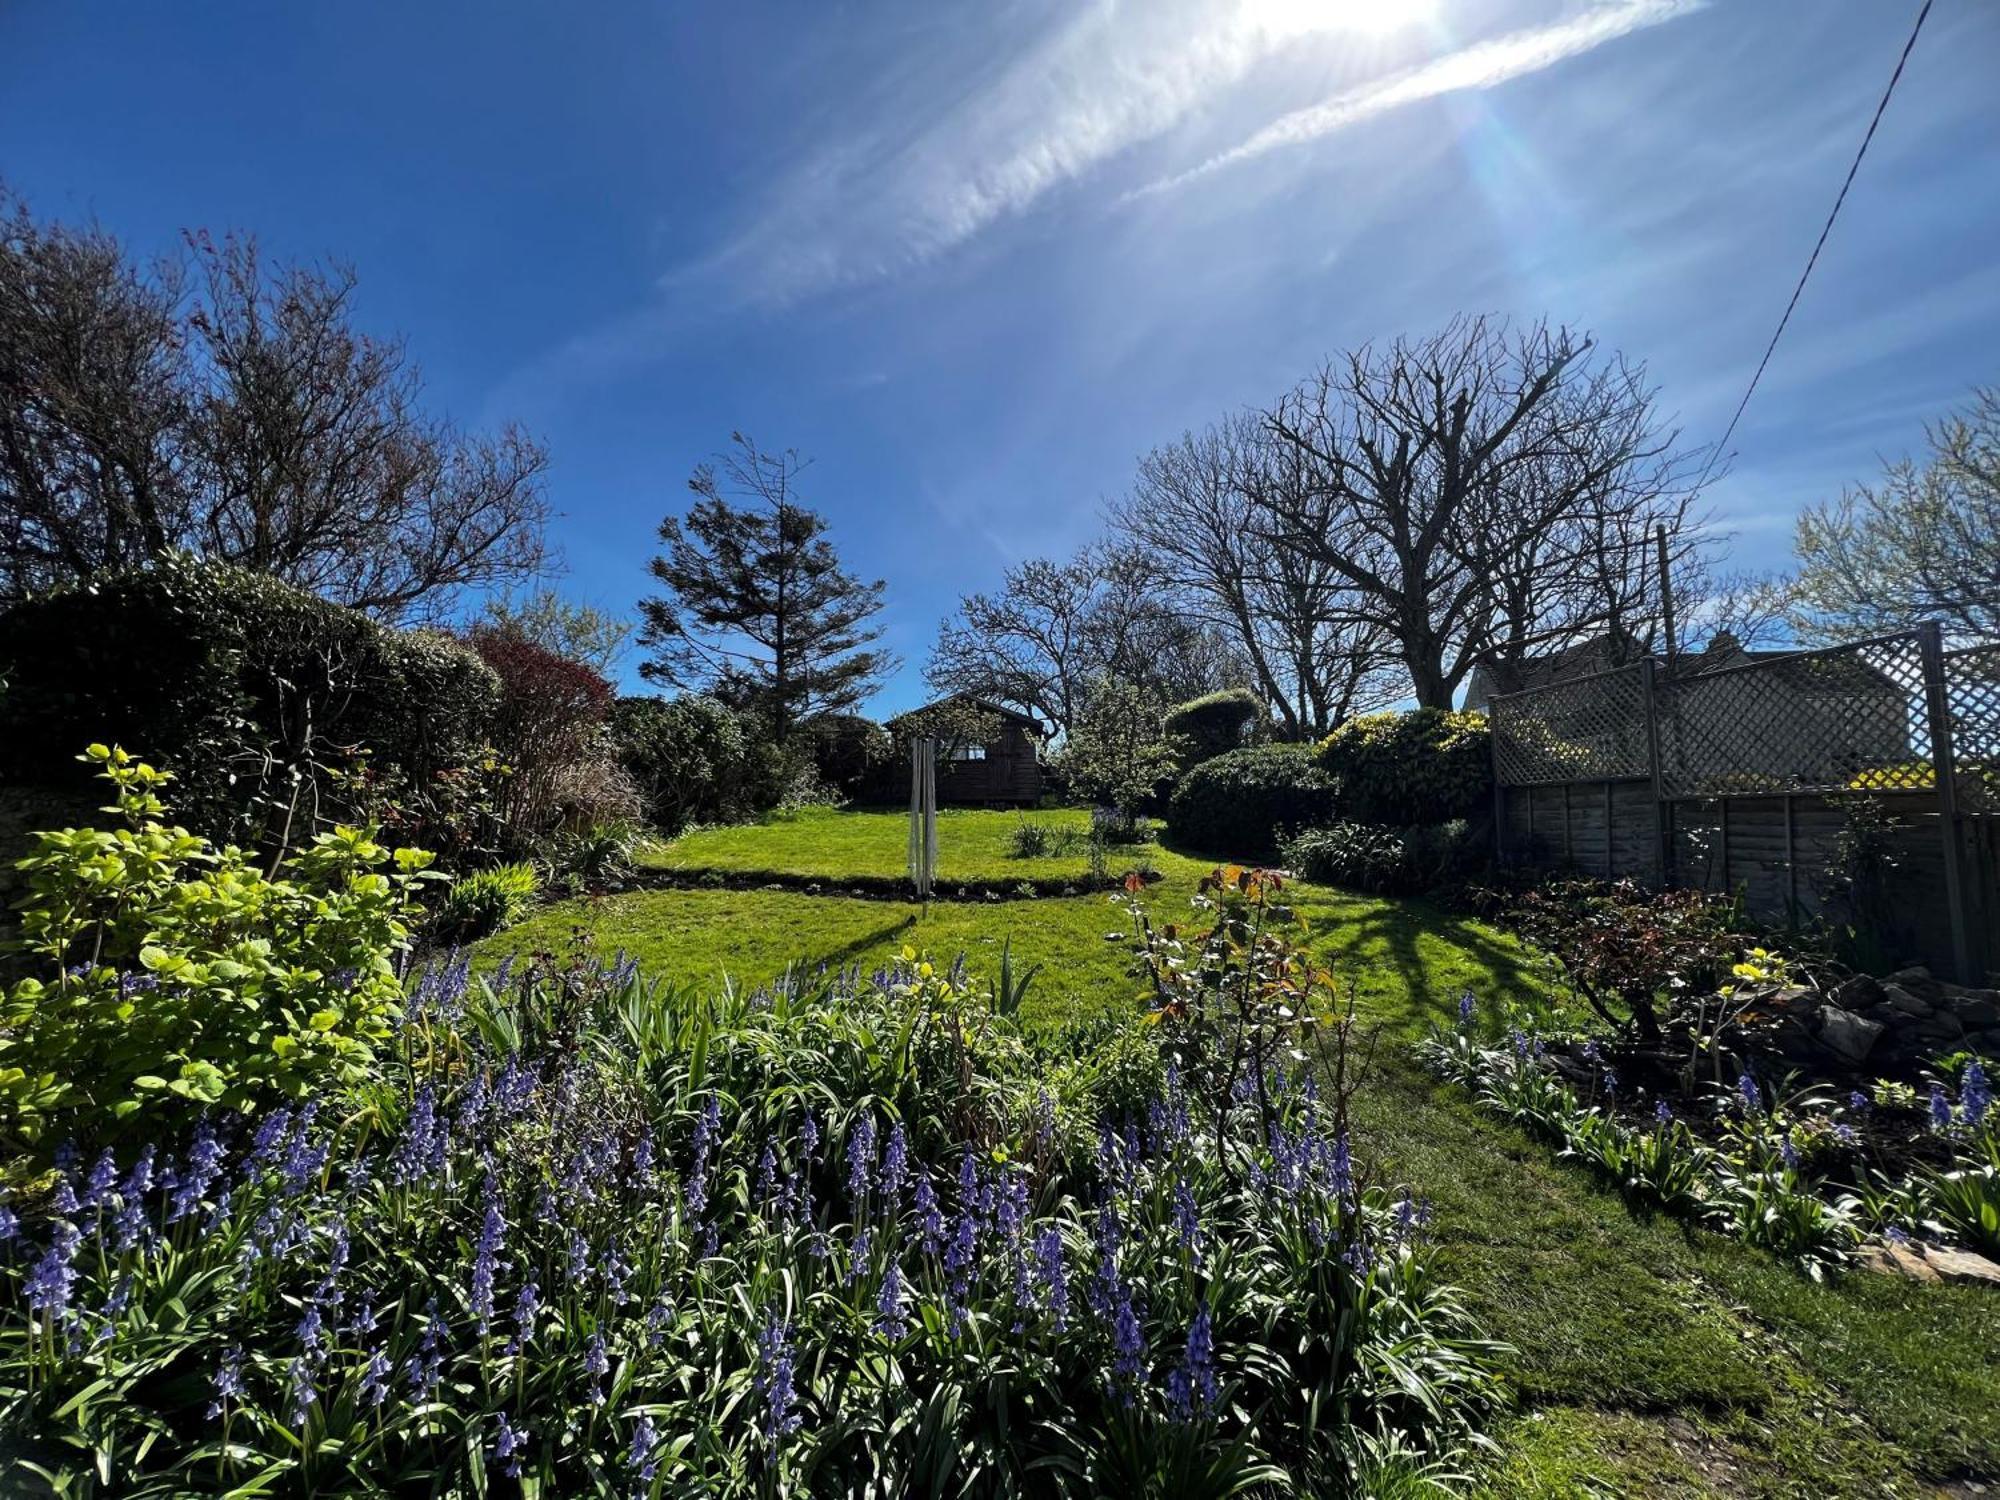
(882, 887)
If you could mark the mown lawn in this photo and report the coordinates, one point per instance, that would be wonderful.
(973, 845)
(1648, 1359)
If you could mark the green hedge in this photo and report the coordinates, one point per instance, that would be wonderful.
(1384, 861)
(1238, 805)
(1430, 765)
(1214, 724)
(238, 684)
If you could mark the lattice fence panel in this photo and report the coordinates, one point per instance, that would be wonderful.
(1852, 718)
(1588, 729)
(1972, 693)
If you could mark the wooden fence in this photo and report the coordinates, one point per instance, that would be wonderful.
(1782, 779)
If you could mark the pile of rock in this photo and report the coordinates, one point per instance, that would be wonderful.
(1882, 1024)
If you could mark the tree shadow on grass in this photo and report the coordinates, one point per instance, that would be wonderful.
(857, 946)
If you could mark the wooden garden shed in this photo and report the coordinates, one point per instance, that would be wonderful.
(1006, 771)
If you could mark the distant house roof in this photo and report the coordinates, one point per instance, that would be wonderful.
(1602, 654)
(985, 705)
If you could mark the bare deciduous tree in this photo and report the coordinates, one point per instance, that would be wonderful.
(1481, 494)
(238, 414)
(1054, 630)
(1922, 544)
(1201, 511)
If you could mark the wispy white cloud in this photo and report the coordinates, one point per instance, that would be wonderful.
(934, 174)
(1481, 66)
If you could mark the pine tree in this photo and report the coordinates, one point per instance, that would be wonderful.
(758, 610)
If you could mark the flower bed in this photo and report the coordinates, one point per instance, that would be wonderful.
(587, 1234)
(1805, 1171)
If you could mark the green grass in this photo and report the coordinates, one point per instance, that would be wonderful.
(1648, 1358)
(973, 846)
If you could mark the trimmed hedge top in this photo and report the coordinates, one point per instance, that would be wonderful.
(1430, 765)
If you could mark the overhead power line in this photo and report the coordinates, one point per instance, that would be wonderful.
(1813, 259)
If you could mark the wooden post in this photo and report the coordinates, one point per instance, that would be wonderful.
(1727, 888)
(1944, 771)
(1610, 812)
(1662, 833)
(1791, 865)
(1569, 829)
(1499, 789)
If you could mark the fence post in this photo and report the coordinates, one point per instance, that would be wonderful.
(1944, 771)
(1499, 789)
(1662, 836)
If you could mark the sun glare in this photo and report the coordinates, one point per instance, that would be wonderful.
(1368, 17)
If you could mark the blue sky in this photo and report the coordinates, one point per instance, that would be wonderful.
(975, 259)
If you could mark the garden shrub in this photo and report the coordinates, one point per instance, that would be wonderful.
(851, 754)
(840, 1235)
(1241, 803)
(1203, 728)
(1430, 765)
(164, 975)
(483, 902)
(1381, 860)
(693, 759)
(548, 726)
(275, 710)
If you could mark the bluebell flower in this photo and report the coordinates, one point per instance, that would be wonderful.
(1467, 1008)
(1590, 1054)
(1051, 1274)
(526, 1301)
(1191, 1387)
(1610, 1080)
(860, 1157)
(808, 1136)
(10, 1225)
(1787, 1152)
(227, 1380)
(895, 1162)
(767, 1175)
(426, 1367)
(422, 1146)
(53, 1277)
(62, 1202)
(312, 1329)
(303, 1394)
(892, 1319)
(1662, 1115)
(857, 1259)
(302, 1158)
(775, 1381)
(1128, 1339)
(930, 1222)
(659, 1321)
(1975, 1094)
(97, 1186)
(641, 1457)
(1858, 1102)
(508, 1443)
(596, 1364)
(204, 1165)
(375, 1378)
(1187, 1218)
(616, 1272)
(1752, 1097)
(270, 1131)
(1940, 1108)
(486, 1255)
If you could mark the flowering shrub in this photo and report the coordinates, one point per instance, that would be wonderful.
(594, 1235)
(173, 975)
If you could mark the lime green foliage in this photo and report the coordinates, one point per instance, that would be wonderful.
(1426, 766)
(1116, 753)
(484, 902)
(1240, 804)
(169, 973)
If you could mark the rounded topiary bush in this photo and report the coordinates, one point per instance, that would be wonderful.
(1214, 724)
(1430, 765)
(1237, 805)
